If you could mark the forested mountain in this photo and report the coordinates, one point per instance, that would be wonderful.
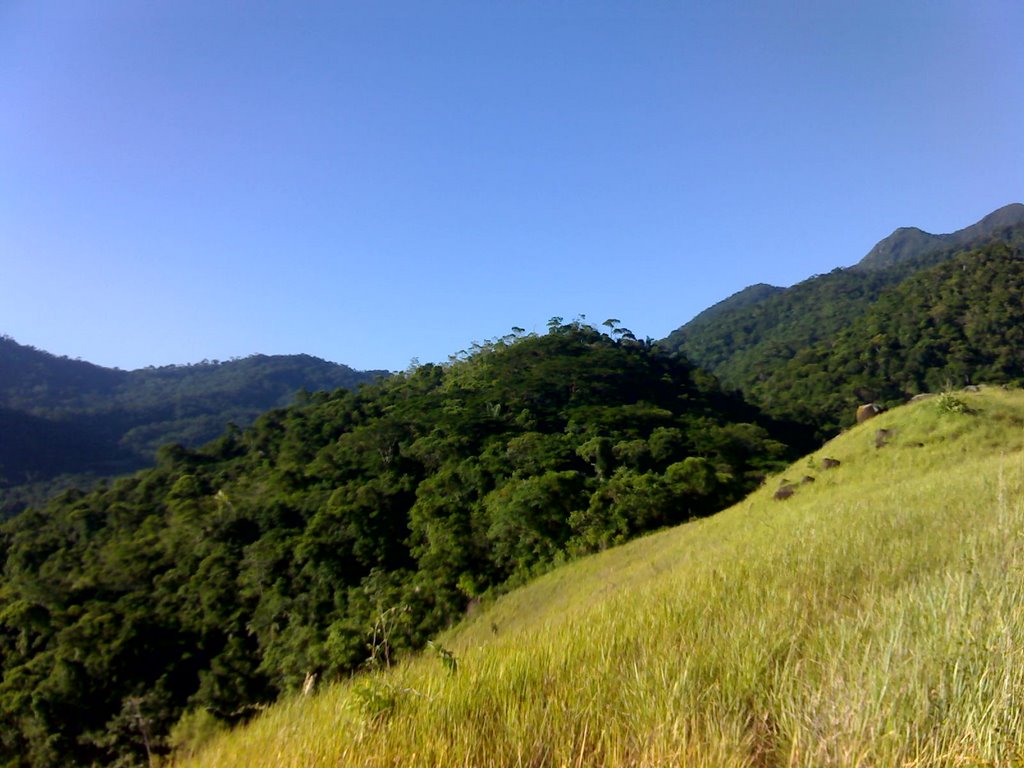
(748, 297)
(908, 243)
(67, 421)
(745, 339)
(957, 323)
(227, 574)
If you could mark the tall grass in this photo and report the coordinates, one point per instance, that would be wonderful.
(876, 618)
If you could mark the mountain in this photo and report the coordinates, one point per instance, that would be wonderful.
(748, 297)
(872, 618)
(744, 339)
(71, 422)
(960, 322)
(227, 575)
(909, 242)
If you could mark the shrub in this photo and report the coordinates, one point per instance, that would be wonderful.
(947, 402)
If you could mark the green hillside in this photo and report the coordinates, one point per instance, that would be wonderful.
(67, 423)
(908, 243)
(874, 618)
(957, 323)
(748, 337)
(218, 580)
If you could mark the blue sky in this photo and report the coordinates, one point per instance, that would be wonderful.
(373, 182)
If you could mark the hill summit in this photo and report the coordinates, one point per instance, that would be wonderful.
(910, 242)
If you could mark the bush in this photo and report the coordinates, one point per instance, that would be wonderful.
(948, 402)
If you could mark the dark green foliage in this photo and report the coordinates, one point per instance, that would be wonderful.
(67, 422)
(771, 344)
(743, 344)
(353, 525)
(957, 323)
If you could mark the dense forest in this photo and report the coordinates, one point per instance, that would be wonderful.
(958, 323)
(740, 342)
(751, 340)
(227, 574)
(68, 422)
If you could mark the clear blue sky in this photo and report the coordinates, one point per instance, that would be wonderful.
(370, 182)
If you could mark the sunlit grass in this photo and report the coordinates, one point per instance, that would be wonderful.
(876, 618)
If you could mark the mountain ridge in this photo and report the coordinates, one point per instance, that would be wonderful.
(958, 322)
(123, 417)
(746, 297)
(909, 242)
(747, 336)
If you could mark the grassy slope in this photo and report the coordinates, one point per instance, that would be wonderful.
(876, 618)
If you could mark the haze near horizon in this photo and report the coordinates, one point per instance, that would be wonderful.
(375, 183)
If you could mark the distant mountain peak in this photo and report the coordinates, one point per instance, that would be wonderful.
(1006, 216)
(908, 242)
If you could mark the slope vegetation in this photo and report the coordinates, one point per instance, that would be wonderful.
(69, 422)
(873, 618)
(959, 322)
(749, 336)
(221, 578)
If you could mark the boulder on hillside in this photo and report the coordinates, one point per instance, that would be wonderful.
(868, 411)
(784, 492)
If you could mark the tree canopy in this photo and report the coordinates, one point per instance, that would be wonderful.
(791, 351)
(959, 323)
